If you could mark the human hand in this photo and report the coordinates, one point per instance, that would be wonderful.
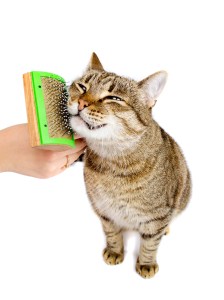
(16, 154)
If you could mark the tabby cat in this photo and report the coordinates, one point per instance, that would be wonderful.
(135, 174)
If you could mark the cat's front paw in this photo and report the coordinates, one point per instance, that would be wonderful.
(167, 231)
(112, 258)
(147, 271)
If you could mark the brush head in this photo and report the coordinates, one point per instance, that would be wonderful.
(48, 119)
(55, 98)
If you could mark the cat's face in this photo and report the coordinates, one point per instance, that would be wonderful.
(105, 106)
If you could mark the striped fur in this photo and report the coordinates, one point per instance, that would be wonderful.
(135, 173)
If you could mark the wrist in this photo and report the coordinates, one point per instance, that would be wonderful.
(5, 150)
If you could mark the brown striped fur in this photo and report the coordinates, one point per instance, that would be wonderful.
(135, 173)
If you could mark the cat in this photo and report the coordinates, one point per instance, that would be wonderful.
(135, 174)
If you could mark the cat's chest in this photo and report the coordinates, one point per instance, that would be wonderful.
(115, 198)
(119, 209)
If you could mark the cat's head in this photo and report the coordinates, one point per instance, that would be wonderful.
(105, 106)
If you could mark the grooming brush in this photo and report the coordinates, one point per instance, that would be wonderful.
(48, 119)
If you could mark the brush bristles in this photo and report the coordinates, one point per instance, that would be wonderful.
(55, 98)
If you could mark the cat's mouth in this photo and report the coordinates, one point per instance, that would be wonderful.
(91, 127)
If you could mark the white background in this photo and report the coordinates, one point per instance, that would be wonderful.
(50, 239)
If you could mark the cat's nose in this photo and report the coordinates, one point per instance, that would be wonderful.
(82, 104)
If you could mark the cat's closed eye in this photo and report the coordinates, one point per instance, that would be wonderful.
(112, 98)
(82, 88)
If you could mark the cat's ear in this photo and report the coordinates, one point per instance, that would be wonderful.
(153, 86)
(95, 63)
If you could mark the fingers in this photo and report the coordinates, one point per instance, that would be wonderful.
(71, 157)
(77, 136)
(80, 144)
(59, 161)
(68, 160)
(53, 168)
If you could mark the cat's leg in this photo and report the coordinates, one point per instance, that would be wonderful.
(113, 254)
(146, 264)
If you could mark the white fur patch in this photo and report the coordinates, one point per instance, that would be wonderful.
(108, 140)
(107, 132)
(73, 108)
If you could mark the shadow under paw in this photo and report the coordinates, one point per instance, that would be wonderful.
(112, 258)
(146, 271)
